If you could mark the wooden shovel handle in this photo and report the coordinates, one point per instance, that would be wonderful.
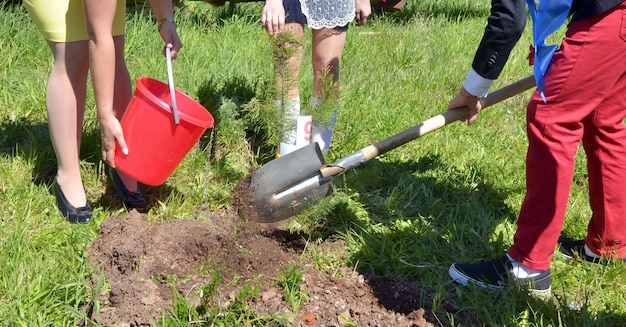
(445, 118)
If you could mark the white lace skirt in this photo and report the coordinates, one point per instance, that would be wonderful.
(328, 13)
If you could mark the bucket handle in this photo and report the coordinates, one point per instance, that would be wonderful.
(170, 78)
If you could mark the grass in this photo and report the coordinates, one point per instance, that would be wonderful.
(290, 282)
(450, 196)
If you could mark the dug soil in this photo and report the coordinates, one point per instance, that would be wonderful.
(142, 269)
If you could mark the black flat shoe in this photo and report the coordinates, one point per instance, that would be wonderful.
(571, 249)
(130, 199)
(74, 215)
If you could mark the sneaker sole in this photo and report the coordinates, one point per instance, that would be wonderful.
(460, 278)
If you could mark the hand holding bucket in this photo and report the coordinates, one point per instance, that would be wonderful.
(156, 142)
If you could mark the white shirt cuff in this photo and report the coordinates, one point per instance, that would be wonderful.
(476, 84)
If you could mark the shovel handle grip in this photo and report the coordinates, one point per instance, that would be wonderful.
(444, 119)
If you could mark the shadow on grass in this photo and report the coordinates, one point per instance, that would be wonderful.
(240, 105)
(408, 229)
(7, 3)
(452, 11)
(559, 311)
(395, 193)
(391, 191)
(31, 142)
(419, 223)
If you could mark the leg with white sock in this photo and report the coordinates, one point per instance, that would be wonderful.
(288, 59)
(327, 48)
(323, 124)
(296, 128)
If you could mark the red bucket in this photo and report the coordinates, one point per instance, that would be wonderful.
(156, 144)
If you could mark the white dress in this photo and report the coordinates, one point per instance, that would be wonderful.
(328, 13)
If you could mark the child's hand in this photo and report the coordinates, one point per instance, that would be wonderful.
(273, 18)
(363, 11)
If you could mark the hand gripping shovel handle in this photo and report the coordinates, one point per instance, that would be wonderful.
(434, 123)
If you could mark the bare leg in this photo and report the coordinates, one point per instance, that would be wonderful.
(122, 86)
(65, 102)
(110, 77)
(287, 70)
(122, 95)
(327, 47)
(99, 16)
(288, 60)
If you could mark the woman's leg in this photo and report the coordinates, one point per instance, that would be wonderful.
(99, 18)
(110, 77)
(327, 47)
(99, 15)
(65, 102)
(122, 94)
(287, 63)
(287, 67)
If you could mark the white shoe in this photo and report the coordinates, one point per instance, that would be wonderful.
(301, 136)
(322, 136)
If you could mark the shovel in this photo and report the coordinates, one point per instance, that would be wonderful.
(290, 184)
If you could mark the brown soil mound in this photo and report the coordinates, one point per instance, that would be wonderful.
(143, 265)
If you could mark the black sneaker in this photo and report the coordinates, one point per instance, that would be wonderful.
(496, 274)
(571, 249)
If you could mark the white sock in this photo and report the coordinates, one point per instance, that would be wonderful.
(322, 136)
(290, 117)
(322, 132)
(286, 148)
(590, 253)
(520, 271)
(315, 102)
(292, 106)
(301, 138)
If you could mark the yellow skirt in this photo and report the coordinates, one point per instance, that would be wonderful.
(64, 20)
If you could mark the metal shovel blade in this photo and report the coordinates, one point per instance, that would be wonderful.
(288, 185)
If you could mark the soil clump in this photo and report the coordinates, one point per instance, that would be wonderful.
(146, 265)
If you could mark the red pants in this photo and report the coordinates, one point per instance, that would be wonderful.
(586, 100)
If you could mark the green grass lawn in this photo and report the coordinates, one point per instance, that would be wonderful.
(450, 196)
